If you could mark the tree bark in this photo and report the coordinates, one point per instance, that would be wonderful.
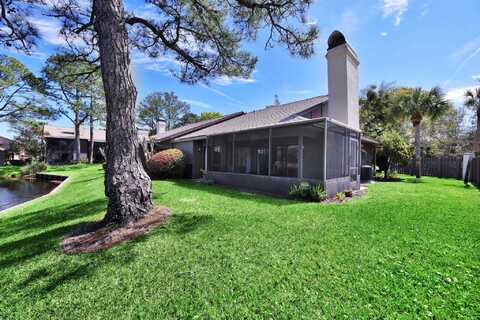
(127, 185)
(418, 151)
(76, 144)
(476, 144)
(91, 142)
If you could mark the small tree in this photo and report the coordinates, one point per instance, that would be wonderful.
(19, 97)
(68, 92)
(210, 115)
(188, 118)
(161, 106)
(395, 150)
(377, 110)
(96, 109)
(472, 100)
(417, 104)
(28, 139)
(276, 100)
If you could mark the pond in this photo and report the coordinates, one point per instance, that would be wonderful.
(13, 192)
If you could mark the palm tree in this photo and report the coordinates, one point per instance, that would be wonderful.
(472, 100)
(418, 104)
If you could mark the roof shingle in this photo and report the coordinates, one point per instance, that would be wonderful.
(270, 116)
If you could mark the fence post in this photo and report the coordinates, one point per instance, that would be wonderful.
(466, 158)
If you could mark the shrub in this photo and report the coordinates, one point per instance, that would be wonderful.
(300, 191)
(340, 196)
(317, 193)
(305, 191)
(168, 163)
(33, 168)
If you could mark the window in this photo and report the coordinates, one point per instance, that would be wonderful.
(251, 152)
(313, 150)
(353, 159)
(220, 153)
(285, 151)
(336, 151)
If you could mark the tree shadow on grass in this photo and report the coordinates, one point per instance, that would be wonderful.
(52, 274)
(186, 223)
(67, 268)
(42, 219)
(230, 192)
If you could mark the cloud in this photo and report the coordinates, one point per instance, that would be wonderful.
(162, 64)
(457, 95)
(311, 22)
(301, 92)
(226, 81)
(395, 8)
(469, 51)
(425, 10)
(383, 34)
(222, 94)
(477, 77)
(197, 103)
(349, 21)
(49, 30)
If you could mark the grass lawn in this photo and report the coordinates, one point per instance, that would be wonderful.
(407, 250)
(8, 171)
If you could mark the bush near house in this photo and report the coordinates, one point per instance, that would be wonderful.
(168, 163)
(33, 168)
(306, 191)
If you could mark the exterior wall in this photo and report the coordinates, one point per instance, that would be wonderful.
(332, 186)
(59, 151)
(187, 149)
(343, 89)
(3, 157)
(277, 185)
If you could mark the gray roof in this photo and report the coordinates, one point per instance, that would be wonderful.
(190, 128)
(5, 143)
(269, 116)
(54, 132)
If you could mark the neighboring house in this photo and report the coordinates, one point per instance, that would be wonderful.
(59, 144)
(316, 139)
(5, 153)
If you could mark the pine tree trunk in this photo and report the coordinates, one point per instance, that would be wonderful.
(418, 151)
(476, 143)
(92, 142)
(76, 144)
(127, 185)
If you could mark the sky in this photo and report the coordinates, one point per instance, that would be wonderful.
(417, 43)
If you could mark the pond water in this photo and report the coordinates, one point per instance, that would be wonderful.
(13, 192)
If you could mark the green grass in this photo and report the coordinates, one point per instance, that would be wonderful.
(407, 250)
(8, 171)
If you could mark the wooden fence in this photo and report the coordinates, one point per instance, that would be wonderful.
(441, 167)
(475, 171)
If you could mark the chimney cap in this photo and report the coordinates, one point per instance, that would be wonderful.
(336, 39)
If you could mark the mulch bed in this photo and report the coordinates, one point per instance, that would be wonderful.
(95, 236)
(355, 194)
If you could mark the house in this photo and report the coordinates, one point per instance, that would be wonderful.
(59, 144)
(5, 153)
(316, 139)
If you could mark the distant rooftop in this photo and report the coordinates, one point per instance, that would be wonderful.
(54, 132)
(189, 128)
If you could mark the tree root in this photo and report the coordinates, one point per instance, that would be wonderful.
(96, 235)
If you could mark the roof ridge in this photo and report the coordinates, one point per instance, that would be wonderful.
(288, 103)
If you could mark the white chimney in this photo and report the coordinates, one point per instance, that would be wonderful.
(160, 126)
(343, 88)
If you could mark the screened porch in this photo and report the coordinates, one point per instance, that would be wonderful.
(271, 159)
